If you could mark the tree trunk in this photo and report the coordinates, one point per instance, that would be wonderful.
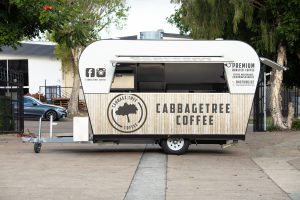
(73, 103)
(276, 82)
(291, 115)
(275, 103)
(128, 119)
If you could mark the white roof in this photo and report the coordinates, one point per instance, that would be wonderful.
(241, 63)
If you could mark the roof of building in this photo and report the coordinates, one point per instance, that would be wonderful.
(33, 49)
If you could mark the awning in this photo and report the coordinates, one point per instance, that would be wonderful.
(170, 59)
(272, 64)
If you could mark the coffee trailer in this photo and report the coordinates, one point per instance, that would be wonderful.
(172, 93)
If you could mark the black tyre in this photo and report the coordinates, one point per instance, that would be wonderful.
(176, 146)
(159, 144)
(49, 113)
(37, 147)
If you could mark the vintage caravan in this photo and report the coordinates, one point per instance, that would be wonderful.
(173, 93)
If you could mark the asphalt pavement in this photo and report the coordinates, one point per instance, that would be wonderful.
(63, 126)
(265, 166)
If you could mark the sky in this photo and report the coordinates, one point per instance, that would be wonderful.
(145, 15)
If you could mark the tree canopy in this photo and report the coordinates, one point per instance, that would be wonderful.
(262, 23)
(272, 27)
(19, 19)
(72, 24)
(78, 22)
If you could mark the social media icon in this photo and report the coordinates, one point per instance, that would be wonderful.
(90, 72)
(100, 72)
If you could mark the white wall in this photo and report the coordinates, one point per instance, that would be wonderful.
(40, 68)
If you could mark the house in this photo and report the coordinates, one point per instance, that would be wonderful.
(36, 61)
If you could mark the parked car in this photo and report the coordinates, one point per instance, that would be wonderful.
(34, 108)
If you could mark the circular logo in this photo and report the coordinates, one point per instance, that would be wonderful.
(127, 112)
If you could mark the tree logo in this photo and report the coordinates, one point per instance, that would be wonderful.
(127, 113)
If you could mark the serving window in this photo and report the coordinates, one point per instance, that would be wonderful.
(124, 79)
(170, 77)
(195, 77)
(151, 78)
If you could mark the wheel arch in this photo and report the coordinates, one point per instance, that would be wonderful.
(50, 109)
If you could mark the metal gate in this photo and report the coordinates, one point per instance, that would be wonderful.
(262, 101)
(51, 92)
(258, 104)
(11, 101)
(290, 94)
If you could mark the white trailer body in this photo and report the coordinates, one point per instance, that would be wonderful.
(174, 93)
(195, 90)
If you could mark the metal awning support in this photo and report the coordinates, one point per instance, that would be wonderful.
(272, 64)
(170, 59)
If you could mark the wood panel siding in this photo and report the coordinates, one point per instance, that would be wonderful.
(230, 117)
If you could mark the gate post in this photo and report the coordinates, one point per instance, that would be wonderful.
(258, 103)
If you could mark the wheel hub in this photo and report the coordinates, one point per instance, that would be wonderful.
(175, 144)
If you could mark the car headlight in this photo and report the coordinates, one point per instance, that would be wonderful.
(61, 109)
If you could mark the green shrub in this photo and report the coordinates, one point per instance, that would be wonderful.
(273, 128)
(296, 124)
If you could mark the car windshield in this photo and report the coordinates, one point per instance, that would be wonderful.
(32, 100)
(38, 101)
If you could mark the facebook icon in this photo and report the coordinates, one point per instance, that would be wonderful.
(90, 72)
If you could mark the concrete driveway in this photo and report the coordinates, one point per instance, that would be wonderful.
(265, 166)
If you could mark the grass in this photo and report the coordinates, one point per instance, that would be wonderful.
(269, 120)
(296, 124)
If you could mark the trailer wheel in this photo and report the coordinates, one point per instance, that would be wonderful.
(176, 146)
(37, 147)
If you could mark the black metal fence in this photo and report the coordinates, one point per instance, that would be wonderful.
(11, 101)
(55, 91)
(288, 94)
